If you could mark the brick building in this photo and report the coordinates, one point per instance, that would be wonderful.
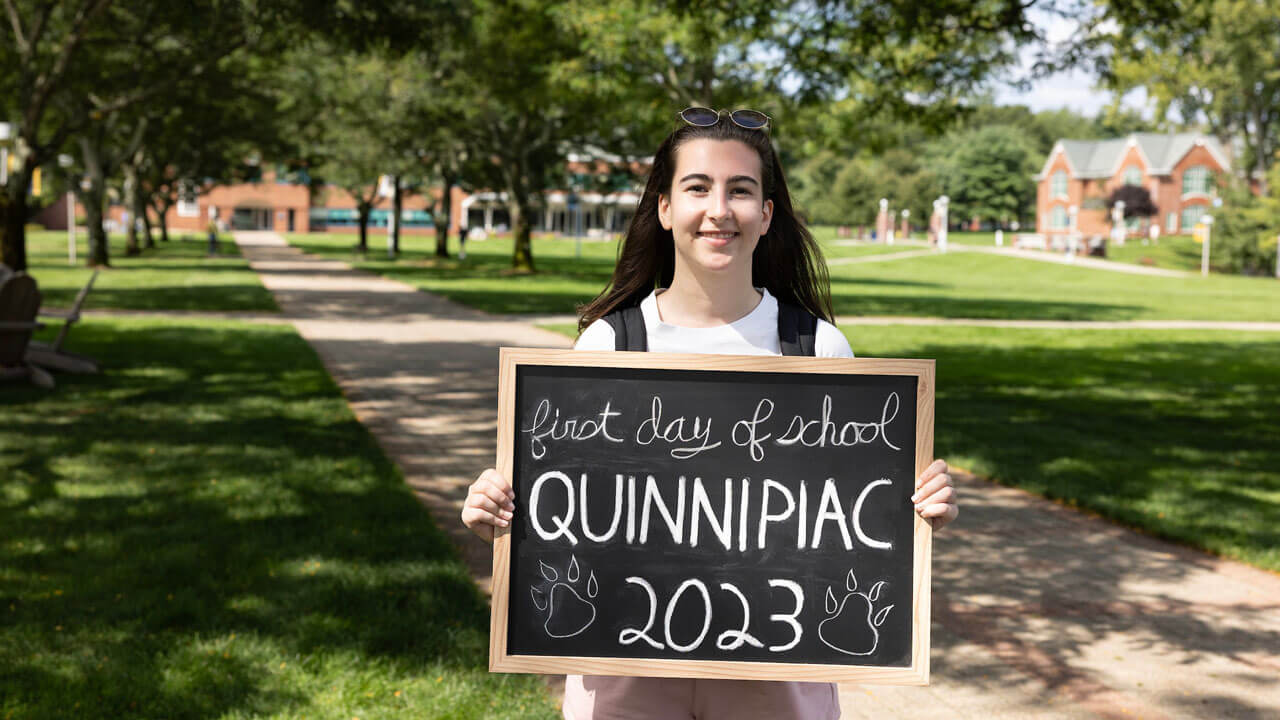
(283, 202)
(1179, 170)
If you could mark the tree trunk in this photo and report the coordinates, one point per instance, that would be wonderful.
(13, 215)
(396, 204)
(522, 257)
(131, 206)
(364, 229)
(162, 210)
(99, 252)
(92, 200)
(446, 212)
(148, 242)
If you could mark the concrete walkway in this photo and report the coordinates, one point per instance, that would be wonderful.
(1038, 611)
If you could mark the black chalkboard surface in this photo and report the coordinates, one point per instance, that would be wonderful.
(713, 516)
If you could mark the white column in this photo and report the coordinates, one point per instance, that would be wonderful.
(942, 203)
(488, 218)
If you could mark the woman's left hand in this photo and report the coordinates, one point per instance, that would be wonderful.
(935, 496)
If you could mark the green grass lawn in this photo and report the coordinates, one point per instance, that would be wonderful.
(973, 285)
(1173, 252)
(955, 285)
(485, 279)
(205, 530)
(177, 275)
(1173, 432)
(1177, 252)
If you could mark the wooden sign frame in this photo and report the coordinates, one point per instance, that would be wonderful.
(917, 673)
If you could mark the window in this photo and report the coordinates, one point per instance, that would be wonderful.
(188, 200)
(1058, 185)
(1171, 223)
(1133, 175)
(1191, 215)
(1196, 180)
(1058, 218)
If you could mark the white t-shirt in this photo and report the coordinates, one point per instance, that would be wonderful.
(607, 698)
(754, 334)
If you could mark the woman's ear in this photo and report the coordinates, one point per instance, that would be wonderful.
(664, 211)
(766, 217)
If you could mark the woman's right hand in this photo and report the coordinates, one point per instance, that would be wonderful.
(490, 503)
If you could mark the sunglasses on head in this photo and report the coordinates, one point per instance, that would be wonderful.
(706, 117)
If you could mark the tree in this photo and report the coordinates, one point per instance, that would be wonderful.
(39, 44)
(987, 173)
(520, 115)
(1137, 201)
(1245, 234)
(1216, 62)
(67, 66)
(838, 76)
(212, 112)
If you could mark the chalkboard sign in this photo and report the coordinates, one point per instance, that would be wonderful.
(713, 516)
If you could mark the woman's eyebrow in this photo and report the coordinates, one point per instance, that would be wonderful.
(707, 178)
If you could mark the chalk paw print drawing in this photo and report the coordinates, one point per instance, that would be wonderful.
(568, 612)
(852, 627)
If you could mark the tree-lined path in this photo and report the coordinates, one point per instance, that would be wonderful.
(1038, 610)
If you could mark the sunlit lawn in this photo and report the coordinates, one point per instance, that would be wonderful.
(1173, 432)
(955, 285)
(177, 275)
(1177, 252)
(205, 530)
(973, 285)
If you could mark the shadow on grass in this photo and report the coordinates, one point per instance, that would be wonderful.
(206, 510)
(1173, 436)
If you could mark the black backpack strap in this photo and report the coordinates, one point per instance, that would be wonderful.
(628, 329)
(797, 330)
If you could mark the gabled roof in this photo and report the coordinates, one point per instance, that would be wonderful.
(1090, 159)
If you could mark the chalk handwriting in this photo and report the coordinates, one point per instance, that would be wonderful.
(682, 512)
(823, 432)
(679, 430)
(547, 424)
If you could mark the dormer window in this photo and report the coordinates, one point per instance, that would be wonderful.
(1133, 175)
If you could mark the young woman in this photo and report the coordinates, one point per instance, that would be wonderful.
(713, 250)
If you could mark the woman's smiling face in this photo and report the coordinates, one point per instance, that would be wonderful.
(716, 210)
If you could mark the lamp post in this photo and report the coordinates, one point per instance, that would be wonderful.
(65, 162)
(1073, 213)
(906, 225)
(1204, 251)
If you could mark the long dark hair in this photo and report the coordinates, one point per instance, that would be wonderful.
(787, 260)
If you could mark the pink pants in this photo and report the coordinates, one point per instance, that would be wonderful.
(638, 698)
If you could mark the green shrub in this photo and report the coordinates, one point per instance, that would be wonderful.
(1244, 233)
